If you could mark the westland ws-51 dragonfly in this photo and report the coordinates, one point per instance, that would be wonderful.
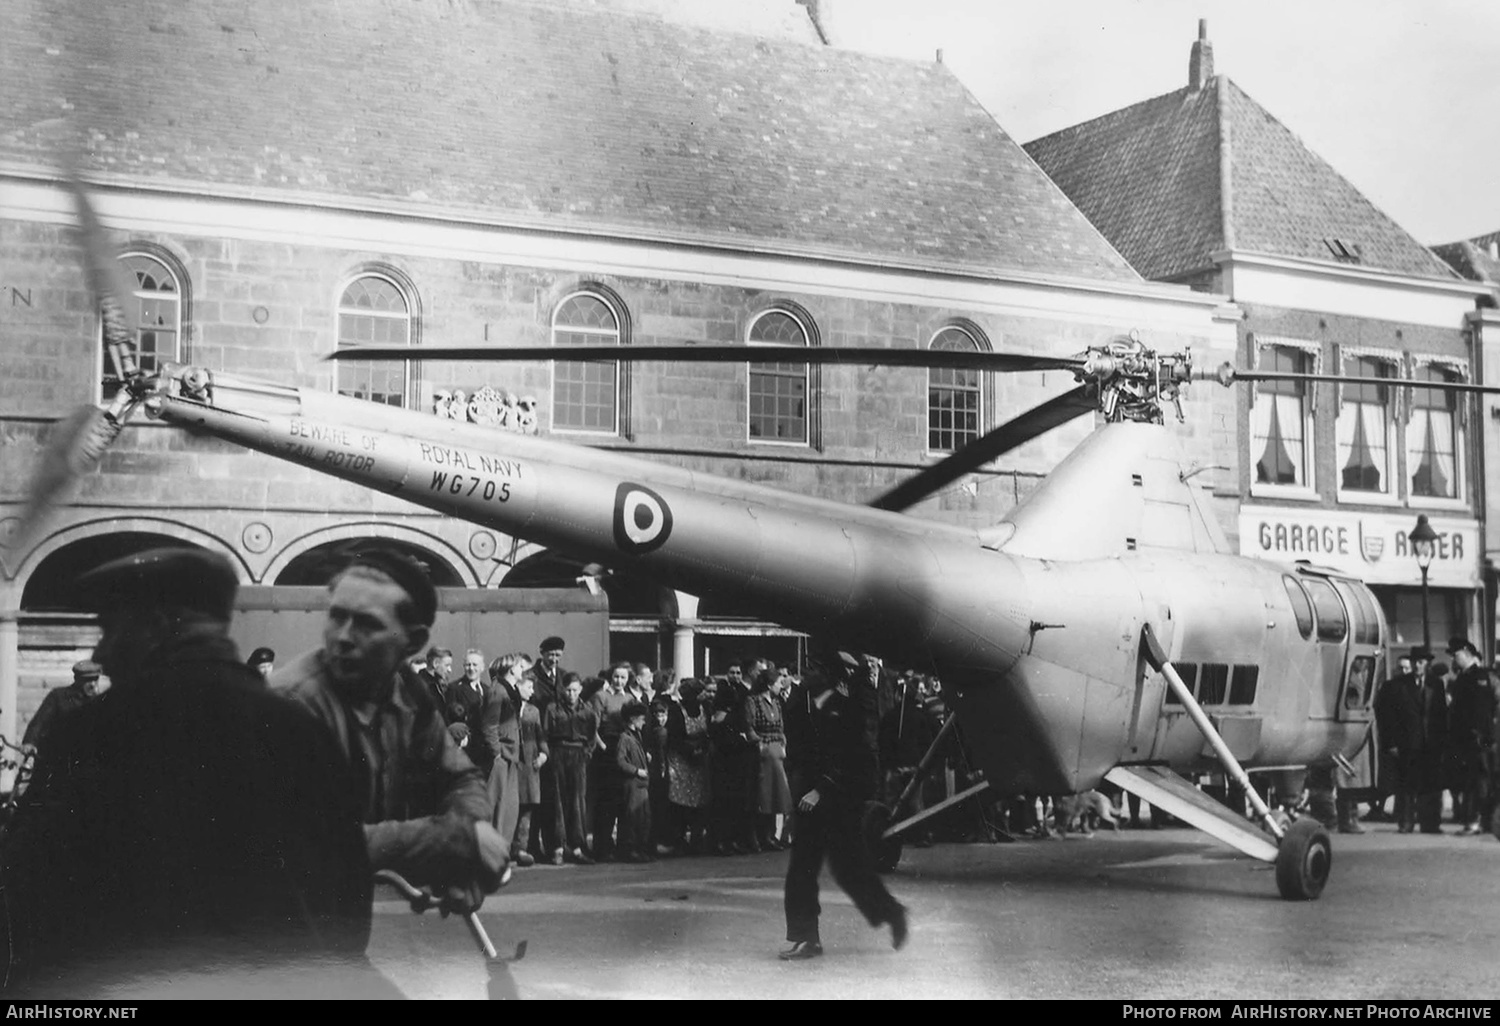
(1063, 633)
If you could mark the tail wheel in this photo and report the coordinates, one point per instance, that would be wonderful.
(1303, 861)
(886, 851)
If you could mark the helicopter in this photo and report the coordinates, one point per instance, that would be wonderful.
(1102, 630)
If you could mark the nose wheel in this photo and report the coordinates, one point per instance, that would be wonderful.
(1303, 859)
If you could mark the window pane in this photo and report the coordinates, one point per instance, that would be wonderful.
(1432, 444)
(1332, 625)
(1279, 421)
(153, 315)
(953, 397)
(1363, 427)
(585, 395)
(778, 392)
(373, 311)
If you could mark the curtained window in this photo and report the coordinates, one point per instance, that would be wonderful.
(1364, 457)
(1281, 421)
(1432, 436)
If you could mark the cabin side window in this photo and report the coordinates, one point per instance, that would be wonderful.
(1332, 623)
(1189, 674)
(1213, 684)
(1301, 607)
(1243, 684)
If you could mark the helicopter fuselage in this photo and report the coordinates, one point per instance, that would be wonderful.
(1042, 657)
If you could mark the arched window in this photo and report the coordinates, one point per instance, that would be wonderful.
(955, 397)
(777, 407)
(154, 315)
(373, 311)
(586, 395)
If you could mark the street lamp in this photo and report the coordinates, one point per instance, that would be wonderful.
(1423, 545)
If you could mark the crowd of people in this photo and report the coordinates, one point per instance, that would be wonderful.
(1435, 725)
(627, 766)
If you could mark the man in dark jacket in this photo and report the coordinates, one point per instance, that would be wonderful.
(189, 833)
(833, 758)
(61, 703)
(1471, 728)
(1432, 765)
(1398, 724)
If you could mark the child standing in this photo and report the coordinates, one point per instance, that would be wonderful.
(635, 788)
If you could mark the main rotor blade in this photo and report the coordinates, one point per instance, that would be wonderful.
(1038, 421)
(108, 281)
(840, 355)
(1228, 375)
(73, 448)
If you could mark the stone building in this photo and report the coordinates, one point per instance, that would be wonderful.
(282, 178)
(1204, 187)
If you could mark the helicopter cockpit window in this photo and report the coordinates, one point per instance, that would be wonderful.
(1367, 617)
(1301, 607)
(1333, 625)
(1189, 674)
(1213, 684)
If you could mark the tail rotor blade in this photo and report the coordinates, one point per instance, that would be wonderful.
(73, 448)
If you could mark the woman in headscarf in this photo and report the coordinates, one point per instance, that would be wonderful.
(688, 781)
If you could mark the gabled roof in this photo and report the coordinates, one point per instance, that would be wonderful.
(1175, 178)
(1472, 259)
(542, 114)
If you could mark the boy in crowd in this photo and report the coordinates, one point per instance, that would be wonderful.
(635, 801)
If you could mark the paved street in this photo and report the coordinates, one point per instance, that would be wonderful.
(1159, 914)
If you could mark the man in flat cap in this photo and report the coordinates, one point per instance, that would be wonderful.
(423, 802)
(548, 672)
(191, 834)
(61, 703)
(1471, 735)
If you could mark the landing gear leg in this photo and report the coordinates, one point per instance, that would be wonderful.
(1304, 853)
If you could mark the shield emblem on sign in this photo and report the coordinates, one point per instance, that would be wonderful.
(1371, 546)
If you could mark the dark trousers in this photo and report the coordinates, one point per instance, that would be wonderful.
(604, 781)
(635, 817)
(831, 829)
(570, 788)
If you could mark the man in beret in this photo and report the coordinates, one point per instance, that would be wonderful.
(423, 802)
(262, 661)
(548, 671)
(61, 703)
(1471, 735)
(192, 834)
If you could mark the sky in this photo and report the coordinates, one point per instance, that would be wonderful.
(1401, 97)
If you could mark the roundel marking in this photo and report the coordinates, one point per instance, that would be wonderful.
(643, 520)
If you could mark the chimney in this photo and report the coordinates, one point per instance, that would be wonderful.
(1201, 63)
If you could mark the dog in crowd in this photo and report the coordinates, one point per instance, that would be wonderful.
(1083, 812)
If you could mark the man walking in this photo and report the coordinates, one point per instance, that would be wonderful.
(834, 762)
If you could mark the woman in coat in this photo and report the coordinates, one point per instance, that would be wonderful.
(534, 755)
(688, 783)
(771, 796)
